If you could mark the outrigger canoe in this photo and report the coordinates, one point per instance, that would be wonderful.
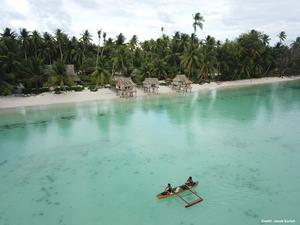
(180, 189)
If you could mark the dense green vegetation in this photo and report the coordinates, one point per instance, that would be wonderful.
(25, 56)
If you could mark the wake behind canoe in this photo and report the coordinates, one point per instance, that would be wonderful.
(179, 189)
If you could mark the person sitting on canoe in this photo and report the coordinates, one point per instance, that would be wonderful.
(190, 182)
(169, 189)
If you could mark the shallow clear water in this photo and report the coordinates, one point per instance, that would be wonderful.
(104, 162)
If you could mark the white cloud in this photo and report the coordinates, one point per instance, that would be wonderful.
(223, 18)
(19, 6)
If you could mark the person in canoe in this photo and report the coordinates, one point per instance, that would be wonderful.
(190, 182)
(169, 189)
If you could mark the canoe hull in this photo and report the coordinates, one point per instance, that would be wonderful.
(182, 189)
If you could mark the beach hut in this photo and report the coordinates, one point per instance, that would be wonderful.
(125, 86)
(70, 71)
(181, 83)
(151, 84)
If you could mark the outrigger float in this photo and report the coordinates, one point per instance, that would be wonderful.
(180, 189)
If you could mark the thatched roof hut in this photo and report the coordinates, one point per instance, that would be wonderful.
(181, 79)
(124, 82)
(151, 83)
(70, 72)
(125, 86)
(181, 82)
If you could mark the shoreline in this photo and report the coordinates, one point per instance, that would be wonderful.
(103, 94)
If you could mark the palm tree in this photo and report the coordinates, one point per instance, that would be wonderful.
(8, 33)
(266, 39)
(209, 58)
(59, 39)
(120, 39)
(190, 59)
(86, 39)
(32, 71)
(8, 61)
(160, 67)
(162, 31)
(48, 47)
(198, 22)
(24, 37)
(9, 48)
(104, 42)
(36, 42)
(120, 60)
(7, 77)
(147, 69)
(282, 36)
(132, 46)
(59, 75)
(77, 54)
(98, 48)
(133, 42)
(101, 75)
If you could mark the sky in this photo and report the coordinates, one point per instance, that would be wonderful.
(223, 18)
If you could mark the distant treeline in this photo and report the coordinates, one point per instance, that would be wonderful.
(25, 58)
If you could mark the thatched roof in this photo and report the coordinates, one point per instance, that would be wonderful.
(151, 81)
(70, 71)
(124, 82)
(180, 79)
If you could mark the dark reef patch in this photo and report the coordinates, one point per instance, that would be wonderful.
(68, 117)
(251, 213)
(3, 162)
(50, 178)
(12, 126)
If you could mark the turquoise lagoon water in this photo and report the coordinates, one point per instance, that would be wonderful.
(104, 162)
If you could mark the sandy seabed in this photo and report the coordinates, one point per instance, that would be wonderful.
(108, 94)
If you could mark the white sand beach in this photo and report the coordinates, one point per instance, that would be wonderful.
(108, 94)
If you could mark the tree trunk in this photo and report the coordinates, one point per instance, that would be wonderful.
(102, 51)
(206, 73)
(83, 57)
(112, 71)
(36, 85)
(61, 54)
(49, 58)
(98, 50)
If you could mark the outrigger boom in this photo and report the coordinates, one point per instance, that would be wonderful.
(183, 188)
(194, 202)
(189, 204)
